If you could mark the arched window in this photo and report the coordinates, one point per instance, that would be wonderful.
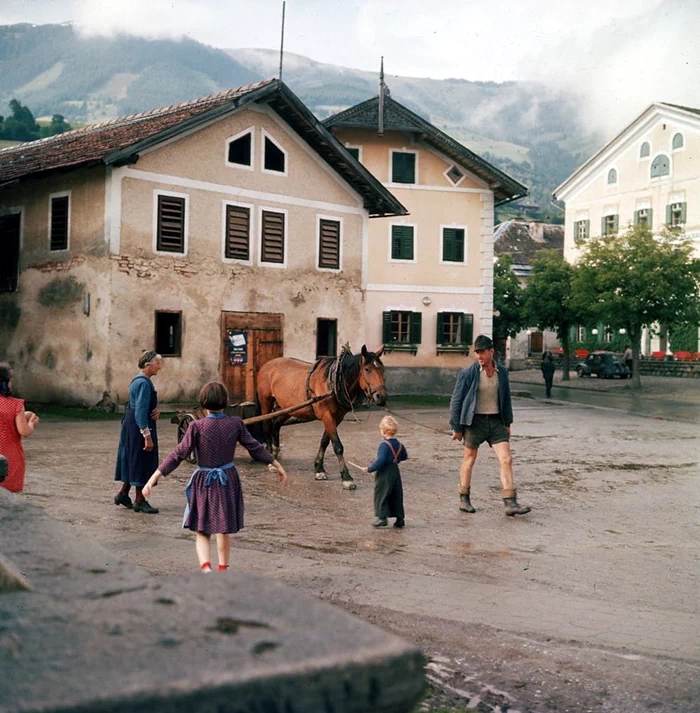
(644, 150)
(678, 141)
(660, 166)
(612, 176)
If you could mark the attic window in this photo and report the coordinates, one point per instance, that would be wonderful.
(274, 157)
(455, 175)
(403, 167)
(612, 176)
(645, 150)
(240, 150)
(660, 166)
(678, 141)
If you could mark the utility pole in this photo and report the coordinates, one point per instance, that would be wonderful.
(282, 40)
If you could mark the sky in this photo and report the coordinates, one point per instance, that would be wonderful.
(619, 54)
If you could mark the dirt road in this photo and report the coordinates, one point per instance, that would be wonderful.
(590, 603)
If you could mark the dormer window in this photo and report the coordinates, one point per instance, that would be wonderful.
(274, 156)
(660, 166)
(239, 150)
(645, 150)
(612, 176)
(678, 142)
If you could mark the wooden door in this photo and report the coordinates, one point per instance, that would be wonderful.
(9, 251)
(248, 340)
(536, 342)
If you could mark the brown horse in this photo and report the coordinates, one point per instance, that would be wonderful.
(285, 382)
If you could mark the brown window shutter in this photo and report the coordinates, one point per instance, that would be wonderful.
(272, 237)
(59, 223)
(171, 224)
(329, 249)
(237, 232)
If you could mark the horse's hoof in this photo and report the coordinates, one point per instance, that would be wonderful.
(321, 476)
(349, 485)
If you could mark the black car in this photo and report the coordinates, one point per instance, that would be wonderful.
(604, 365)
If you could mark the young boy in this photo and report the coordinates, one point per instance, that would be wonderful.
(388, 491)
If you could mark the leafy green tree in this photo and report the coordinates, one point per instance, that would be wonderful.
(548, 299)
(507, 299)
(637, 279)
(58, 125)
(20, 125)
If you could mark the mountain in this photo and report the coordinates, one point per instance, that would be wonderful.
(528, 129)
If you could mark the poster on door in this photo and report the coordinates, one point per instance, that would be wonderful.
(237, 347)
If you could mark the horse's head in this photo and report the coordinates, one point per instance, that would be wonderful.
(371, 379)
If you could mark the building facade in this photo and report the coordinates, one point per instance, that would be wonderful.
(222, 232)
(649, 173)
(429, 288)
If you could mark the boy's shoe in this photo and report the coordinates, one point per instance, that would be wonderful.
(465, 504)
(125, 500)
(400, 522)
(379, 522)
(146, 507)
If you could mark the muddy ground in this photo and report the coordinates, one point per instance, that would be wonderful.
(590, 603)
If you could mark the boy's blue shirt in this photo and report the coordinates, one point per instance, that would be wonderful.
(384, 455)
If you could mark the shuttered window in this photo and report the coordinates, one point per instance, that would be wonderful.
(402, 242)
(329, 244)
(273, 228)
(582, 229)
(403, 167)
(609, 224)
(399, 327)
(60, 211)
(676, 214)
(643, 216)
(455, 329)
(453, 244)
(237, 232)
(171, 224)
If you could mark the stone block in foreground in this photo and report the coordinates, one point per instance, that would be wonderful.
(97, 634)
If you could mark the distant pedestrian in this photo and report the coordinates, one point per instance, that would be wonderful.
(628, 357)
(548, 372)
(15, 424)
(214, 493)
(137, 453)
(388, 489)
(481, 410)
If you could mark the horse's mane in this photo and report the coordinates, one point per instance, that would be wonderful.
(342, 374)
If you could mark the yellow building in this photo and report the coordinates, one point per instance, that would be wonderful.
(428, 276)
(649, 173)
(222, 232)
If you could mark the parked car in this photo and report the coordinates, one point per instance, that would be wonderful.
(604, 365)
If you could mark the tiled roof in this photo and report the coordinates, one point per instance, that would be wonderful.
(523, 239)
(92, 144)
(399, 118)
(119, 141)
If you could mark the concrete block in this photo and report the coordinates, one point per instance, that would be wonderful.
(97, 634)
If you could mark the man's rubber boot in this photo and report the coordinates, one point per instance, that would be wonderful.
(465, 504)
(512, 505)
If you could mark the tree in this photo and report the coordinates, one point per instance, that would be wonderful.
(548, 302)
(637, 279)
(58, 125)
(20, 126)
(507, 300)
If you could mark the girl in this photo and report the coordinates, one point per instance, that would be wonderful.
(214, 495)
(15, 424)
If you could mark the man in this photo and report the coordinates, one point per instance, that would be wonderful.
(628, 357)
(481, 410)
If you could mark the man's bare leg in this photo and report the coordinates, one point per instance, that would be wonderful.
(508, 492)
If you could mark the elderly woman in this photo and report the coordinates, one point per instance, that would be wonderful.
(137, 455)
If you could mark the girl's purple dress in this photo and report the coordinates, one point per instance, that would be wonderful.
(214, 494)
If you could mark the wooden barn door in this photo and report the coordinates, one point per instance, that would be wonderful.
(248, 340)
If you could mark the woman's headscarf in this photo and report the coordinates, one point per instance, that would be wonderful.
(147, 358)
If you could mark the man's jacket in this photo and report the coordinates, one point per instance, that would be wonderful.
(463, 401)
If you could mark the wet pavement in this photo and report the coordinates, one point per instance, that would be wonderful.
(590, 603)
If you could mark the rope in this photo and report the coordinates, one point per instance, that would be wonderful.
(418, 423)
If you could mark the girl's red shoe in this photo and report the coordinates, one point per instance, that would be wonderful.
(222, 568)
(205, 566)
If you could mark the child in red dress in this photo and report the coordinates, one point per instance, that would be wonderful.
(214, 494)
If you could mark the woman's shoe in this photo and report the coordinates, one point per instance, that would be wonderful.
(399, 522)
(379, 522)
(125, 500)
(146, 507)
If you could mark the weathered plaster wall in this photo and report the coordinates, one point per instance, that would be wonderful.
(59, 352)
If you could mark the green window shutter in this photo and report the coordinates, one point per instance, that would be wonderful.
(403, 167)
(616, 224)
(386, 327)
(448, 245)
(576, 223)
(587, 229)
(636, 217)
(440, 327)
(683, 212)
(402, 242)
(669, 215)
(416, 327)
(650, 217)
(603, 225)
(467, 329)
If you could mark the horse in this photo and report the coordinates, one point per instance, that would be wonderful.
(284, 382)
